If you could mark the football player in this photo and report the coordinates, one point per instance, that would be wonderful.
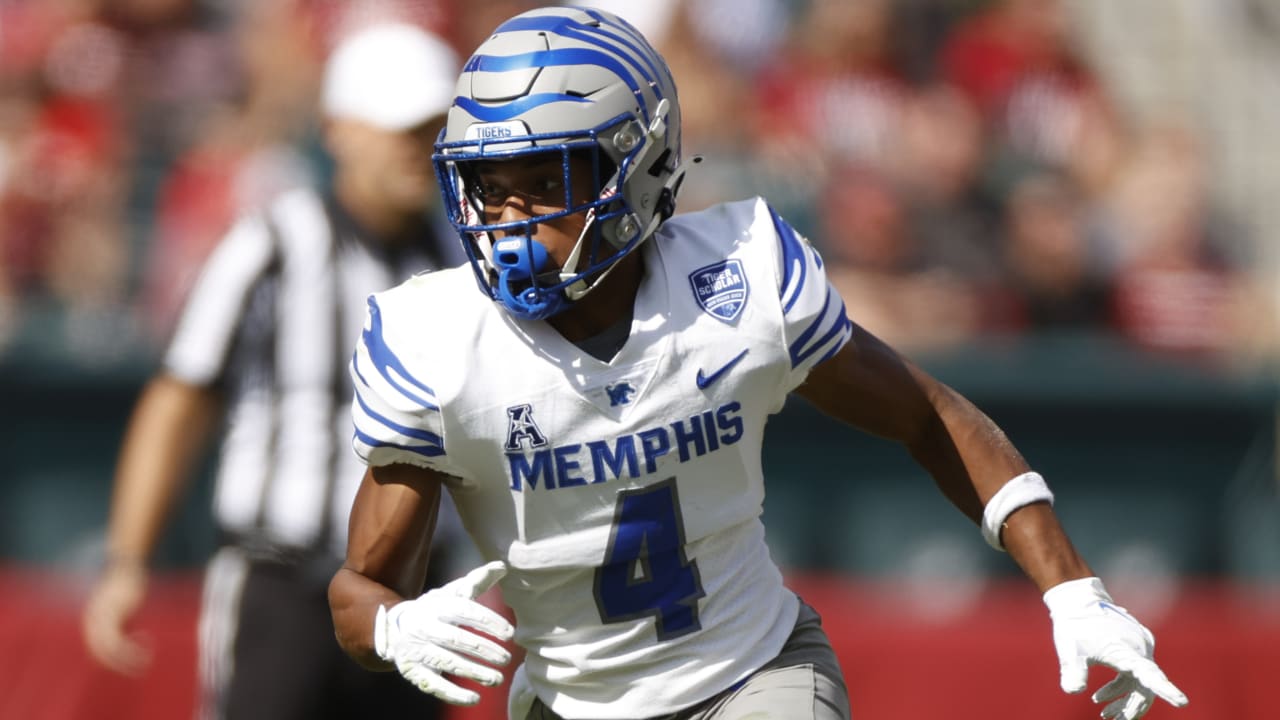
(597, 411)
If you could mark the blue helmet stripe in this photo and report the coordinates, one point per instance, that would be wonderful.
(647, 72)
(384, 360)
(542, 22)
(553, 58)
(499, 113)
(636, 44)
(569, 27)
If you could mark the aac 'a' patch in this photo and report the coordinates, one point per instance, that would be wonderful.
(721, 289)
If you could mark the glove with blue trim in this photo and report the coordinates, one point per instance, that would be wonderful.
(427, 638)
(1090, 629)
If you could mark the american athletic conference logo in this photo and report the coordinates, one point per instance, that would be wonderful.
(721, 289)
(522, 430)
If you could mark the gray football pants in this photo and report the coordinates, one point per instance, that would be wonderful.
(802, 683)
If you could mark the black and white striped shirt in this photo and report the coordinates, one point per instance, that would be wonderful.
(272, 321)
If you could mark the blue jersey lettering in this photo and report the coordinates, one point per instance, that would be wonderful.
(599, 461)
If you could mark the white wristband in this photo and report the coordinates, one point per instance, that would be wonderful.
(1022, 490)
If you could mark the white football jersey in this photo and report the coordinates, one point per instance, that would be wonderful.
(626, 495)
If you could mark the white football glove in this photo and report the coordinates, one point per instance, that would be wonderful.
(1090, 629)
(521, 695)
(426, 637)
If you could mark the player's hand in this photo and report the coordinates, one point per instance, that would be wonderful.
(427, 638)
(1090, 629)
(111, 605)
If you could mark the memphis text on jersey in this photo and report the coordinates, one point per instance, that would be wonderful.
(535, 462)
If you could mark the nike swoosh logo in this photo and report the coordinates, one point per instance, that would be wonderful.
(705, 381)
(1108, 606)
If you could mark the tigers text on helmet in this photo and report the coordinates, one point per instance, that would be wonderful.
(562, 81)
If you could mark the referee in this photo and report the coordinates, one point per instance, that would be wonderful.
(264, 342)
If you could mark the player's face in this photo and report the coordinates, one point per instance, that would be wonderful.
(516, 190)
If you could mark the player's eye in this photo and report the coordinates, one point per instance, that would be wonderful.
(546, 187)
(489, 191)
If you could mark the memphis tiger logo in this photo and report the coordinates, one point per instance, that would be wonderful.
(721, 289)
(620, 393)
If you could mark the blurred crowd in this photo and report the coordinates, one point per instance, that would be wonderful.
(960, 163)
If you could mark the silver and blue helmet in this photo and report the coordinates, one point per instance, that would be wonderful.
(566, 81)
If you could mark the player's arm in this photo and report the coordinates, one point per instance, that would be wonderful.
(868, 385)
(170, 427)
(853, 376)
(378, 615)
(389, 541)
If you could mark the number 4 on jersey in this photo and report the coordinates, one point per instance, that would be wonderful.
(645, 570)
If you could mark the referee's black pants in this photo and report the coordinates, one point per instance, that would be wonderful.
(272, 653)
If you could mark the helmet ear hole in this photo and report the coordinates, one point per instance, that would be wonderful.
(659, 165)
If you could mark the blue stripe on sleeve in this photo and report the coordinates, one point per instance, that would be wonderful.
(355, 368)
(801, 341)
(416, 433)
(847, 332)
(384, 359)
(801, 349)
(792, 255)
(376, 443)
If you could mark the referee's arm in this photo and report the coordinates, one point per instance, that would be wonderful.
(170, 427)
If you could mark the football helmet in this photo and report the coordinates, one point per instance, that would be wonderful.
(562, 81)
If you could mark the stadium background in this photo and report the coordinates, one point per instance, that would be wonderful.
(1064, 208)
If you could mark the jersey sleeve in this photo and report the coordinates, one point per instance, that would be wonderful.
(814, 324)
(396, 415)
(216, 305)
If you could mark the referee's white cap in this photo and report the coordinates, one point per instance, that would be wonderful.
(393, 76)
